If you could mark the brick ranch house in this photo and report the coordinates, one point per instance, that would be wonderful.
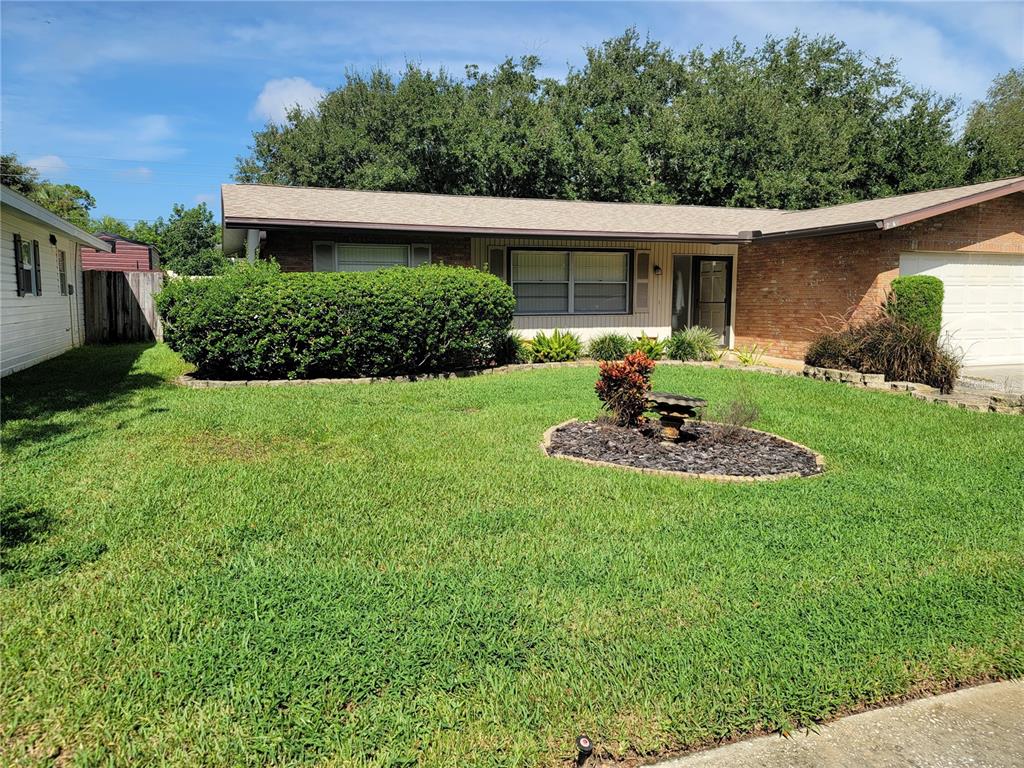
(756, 276)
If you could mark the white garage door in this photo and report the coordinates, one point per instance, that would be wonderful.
(983, 309)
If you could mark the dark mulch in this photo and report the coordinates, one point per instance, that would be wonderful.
(702, 450)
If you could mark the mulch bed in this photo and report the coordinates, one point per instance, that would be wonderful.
(746, 453)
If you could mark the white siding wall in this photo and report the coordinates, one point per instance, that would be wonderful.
(35, 328)
(656, 322)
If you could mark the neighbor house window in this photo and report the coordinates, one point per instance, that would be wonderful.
(366, 257)
(62, 272)
(580, 282)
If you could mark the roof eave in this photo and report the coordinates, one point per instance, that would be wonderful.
(240, 222)
(949, 206)
(834, 229)
(31, 208)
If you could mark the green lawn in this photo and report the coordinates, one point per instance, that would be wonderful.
(394, 574)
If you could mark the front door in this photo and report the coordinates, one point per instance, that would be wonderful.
(712, 287)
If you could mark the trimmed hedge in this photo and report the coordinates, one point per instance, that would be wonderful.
(257, 322)
(917, 300)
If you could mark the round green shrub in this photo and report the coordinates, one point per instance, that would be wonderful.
(916, 300)
(694, 343)
(610, 346)
(257, 322)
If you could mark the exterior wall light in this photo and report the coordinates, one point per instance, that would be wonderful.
(657, 270)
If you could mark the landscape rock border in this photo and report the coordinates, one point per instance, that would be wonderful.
(993, 402)
(545, 447)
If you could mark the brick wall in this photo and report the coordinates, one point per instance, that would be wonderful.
(293, 248)
(784, 289)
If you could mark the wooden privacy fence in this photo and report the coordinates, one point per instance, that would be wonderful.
(119, 306)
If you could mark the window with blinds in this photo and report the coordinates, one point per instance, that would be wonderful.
(554, 282)
(366, 257)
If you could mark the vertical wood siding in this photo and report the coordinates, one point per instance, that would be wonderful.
(120, 306)
(36, 328)
(656, 321)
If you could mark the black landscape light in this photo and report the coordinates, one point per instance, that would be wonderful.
(584, 749)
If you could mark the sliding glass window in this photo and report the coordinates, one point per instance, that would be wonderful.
(570, 282)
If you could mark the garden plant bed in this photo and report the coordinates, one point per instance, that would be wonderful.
(746, 455)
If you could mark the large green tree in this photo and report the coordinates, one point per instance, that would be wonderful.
(995, 130)
(191, 242)
(798, 122)
(18, 176)
(69, 201)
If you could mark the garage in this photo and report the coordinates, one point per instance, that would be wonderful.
(983, 308)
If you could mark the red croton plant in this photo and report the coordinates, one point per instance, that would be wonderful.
(623, 387)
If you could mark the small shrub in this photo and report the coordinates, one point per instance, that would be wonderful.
(694, 343)
(514, 349)
(902, 351)
(830, 350)
(730, 421)
(916, 300)
(558, 347)
(609, 346)
(649, 346)
(257, 322)
(751, 356)
(623, 386)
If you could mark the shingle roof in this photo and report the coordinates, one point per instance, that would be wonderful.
(262, 205)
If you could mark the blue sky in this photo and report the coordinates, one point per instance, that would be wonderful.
(148, 104)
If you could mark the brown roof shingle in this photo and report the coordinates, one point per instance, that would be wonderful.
(261, 205)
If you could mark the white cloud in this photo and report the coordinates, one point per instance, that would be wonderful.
(212, 199)
(140, 173)
(140, 138)
(280, 95)
(49, 165)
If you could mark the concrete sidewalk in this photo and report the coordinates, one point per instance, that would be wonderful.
(980, 727)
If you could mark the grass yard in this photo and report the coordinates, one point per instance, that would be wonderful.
(393, 574)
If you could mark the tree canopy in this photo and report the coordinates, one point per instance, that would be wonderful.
(798, 122)
(69, 201)
(995, 129)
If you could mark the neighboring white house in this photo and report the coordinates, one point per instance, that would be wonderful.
(41, 311)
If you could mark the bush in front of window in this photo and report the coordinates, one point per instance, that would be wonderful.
(556, 347)
(649, 346)
(257, 322)
(694, 343)
(610, 346)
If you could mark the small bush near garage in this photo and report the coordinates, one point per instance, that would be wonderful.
(556, 347)
(900, 350)
(695, 343)
(917, 300)
(257, 322)
(610, 346)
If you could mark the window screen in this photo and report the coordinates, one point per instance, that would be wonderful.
(570, 282)
(601, 282)
(540, 282)
(366, 258)
(62, 272)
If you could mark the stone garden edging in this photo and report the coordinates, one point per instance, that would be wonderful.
(545, 446)
(994, 402)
